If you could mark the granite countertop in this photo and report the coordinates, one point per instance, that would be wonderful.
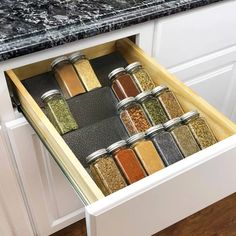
(28, 26)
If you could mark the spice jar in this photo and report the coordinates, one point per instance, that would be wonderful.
(58, 111)
(168, 101)
(146, 152)
(105, 172)
(127, 161)
(182, 136)
(200, 129)
(123, 85)
(152, 107)
(132, 116)
(165, 144)
(67, 77)
(140, 76)
(85, 71)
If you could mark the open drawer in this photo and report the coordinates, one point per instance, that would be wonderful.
(156, 201)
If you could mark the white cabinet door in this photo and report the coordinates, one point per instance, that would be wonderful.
(52, 201)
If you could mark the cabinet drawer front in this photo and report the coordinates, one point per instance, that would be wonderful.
(152, 198)
(190, 35)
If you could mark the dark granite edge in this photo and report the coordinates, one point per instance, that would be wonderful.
(60, 37)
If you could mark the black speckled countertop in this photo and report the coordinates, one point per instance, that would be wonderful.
(28, 26)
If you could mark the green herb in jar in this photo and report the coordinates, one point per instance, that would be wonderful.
(152, 107)
(58, 112)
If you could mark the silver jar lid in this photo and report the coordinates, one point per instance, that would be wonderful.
(58, 60)
(116, 145)
(115, 72)
(50, 93)
(189, 116)
(95, 155)
(153, 130)
(159, 89)
(132, 66)
(76, 56)
(125, 102)
(172, 123)
(135, 138)
(142, 96)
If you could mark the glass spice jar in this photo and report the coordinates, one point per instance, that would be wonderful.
(146, 152)
(67, 77)
(165, 144)
(152, 107)
(183, 136)
(168, 101)
(127, 161)
(123, 85)
(105, 172)
(200, 129)
(85, 71)
(141, 76)
(58, 111)
(132, 116)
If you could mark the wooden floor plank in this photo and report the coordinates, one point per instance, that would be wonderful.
(218, 219)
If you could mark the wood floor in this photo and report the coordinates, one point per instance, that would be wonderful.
(218, 219)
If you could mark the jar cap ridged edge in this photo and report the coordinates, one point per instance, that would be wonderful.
(59, 60)
(149, 132)
(169, 124)
(131, 66)
(115, 71)
(116, 145)
(140, 97)
(189, 115)
(135, 138)
(75, 56)
(159, 89)
(95, 155)
(125, 102)
(49, 93)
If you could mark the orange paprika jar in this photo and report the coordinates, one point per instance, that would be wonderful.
(127, 161)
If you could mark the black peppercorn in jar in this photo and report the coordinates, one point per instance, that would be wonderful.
(183, 136)
(58, 111)
(141, 76)
(104, 172)
(165, 144)
(132, 116)
(200, 129)
(168, 101)
(152, 107)
(123, 85)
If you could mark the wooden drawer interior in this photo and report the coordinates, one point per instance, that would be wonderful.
(67, 160)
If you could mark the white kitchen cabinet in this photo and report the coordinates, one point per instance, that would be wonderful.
(52, 201)
(199, 47)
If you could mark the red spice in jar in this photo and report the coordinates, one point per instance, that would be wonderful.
(127, 161)
(123, 85)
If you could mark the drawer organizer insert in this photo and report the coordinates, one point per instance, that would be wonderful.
(96, 110)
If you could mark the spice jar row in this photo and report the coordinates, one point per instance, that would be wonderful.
(74, 74)
(148, 108)
(130, 81)
(126, 162)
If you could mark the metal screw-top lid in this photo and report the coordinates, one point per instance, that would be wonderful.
(125, 102)
(115, 72)
(189, 116)
(95, 155)
(142, 96)
(58, 60)
(172, 123)
(76, 56)
(116, 145)
(50, 93)
(159, 89)
(132, 66)
(153, 130)
(135, 138)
